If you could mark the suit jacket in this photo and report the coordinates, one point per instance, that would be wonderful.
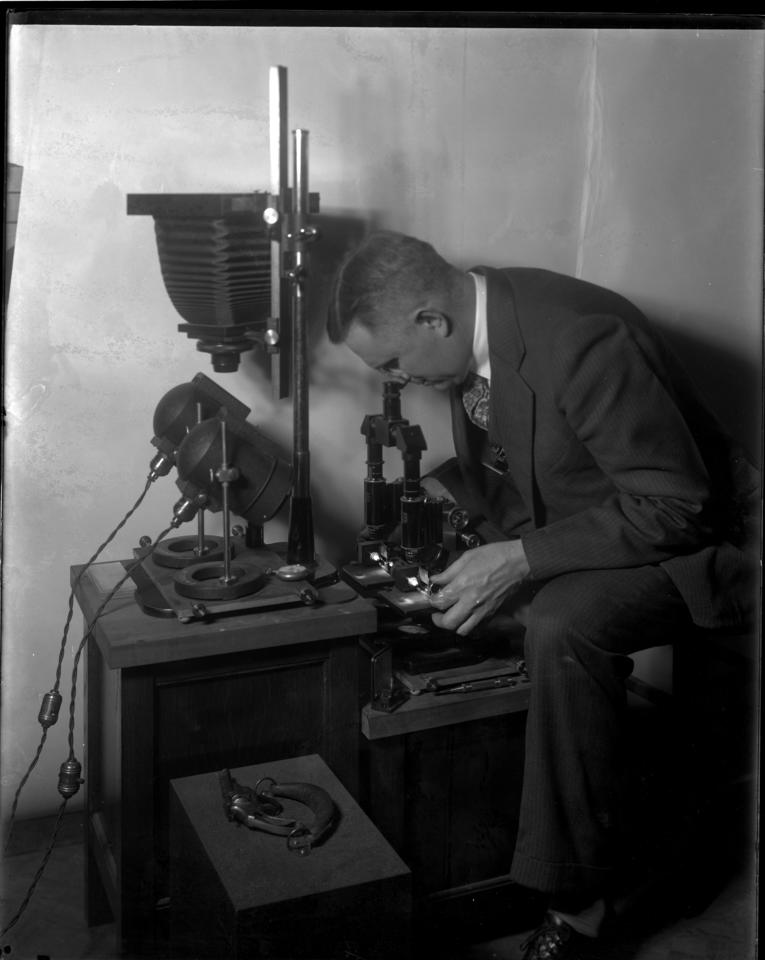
(612, 459)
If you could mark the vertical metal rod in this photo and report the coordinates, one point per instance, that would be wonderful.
(277, 118)
(226, 517)
(279, 162)
(300, 545)
(201, 512)
(300, 346)
(300, 139)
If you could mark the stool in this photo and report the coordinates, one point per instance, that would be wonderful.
(236, 892)
(716, 687)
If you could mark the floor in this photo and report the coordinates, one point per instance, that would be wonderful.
(724, 930)
(53, 927)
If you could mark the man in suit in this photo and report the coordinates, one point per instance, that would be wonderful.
(613, 507)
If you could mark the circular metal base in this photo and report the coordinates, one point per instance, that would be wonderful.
(292, 571)
(204, 581)
(152, 602)
(183, 551)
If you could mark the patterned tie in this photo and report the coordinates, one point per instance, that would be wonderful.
(475, 399)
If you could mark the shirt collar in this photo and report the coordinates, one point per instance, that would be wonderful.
(481, 363)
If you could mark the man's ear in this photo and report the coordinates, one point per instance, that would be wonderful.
(435, 320)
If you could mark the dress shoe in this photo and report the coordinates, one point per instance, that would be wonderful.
(554, 940)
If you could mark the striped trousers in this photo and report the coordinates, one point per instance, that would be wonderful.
(580, 631)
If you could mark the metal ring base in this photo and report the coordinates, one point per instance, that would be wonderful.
(204, 581)
(182, 551)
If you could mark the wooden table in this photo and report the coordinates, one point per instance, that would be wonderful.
(166, 699)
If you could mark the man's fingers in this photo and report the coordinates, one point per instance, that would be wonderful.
(461, 617)
(470, 624)
(442, 599)
(446, 576)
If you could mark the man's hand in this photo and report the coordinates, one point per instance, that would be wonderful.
(474, 586)
(434, 488)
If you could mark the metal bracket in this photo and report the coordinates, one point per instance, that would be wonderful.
(386, 693)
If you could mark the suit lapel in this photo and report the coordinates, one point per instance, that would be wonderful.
(511, 414)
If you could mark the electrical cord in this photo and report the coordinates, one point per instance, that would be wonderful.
(40, 870)
(69, 776)
(47, 719)
(91, 626)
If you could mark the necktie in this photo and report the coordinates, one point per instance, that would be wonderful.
(475, 399)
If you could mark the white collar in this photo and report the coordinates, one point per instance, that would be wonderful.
(481, 363)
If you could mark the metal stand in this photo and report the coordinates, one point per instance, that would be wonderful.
(287, 218)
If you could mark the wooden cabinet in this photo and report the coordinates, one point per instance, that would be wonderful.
(443, 781)
(166, 699)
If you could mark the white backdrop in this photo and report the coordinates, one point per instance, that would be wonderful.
(630, 158)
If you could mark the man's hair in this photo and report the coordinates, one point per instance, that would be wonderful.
(382, 278)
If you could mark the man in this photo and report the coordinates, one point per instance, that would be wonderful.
(609, 496)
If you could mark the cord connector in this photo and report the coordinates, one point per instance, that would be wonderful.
(51, 704)
(69, 778)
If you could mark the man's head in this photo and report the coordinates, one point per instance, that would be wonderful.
(404, 310)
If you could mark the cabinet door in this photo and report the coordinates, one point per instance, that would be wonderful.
(448, 799)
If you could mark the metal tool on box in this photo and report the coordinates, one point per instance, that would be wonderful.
(259, 809)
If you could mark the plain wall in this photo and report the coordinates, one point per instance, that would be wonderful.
(630, 158)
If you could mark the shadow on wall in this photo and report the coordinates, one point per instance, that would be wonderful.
(338, 232)
(729, 384)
